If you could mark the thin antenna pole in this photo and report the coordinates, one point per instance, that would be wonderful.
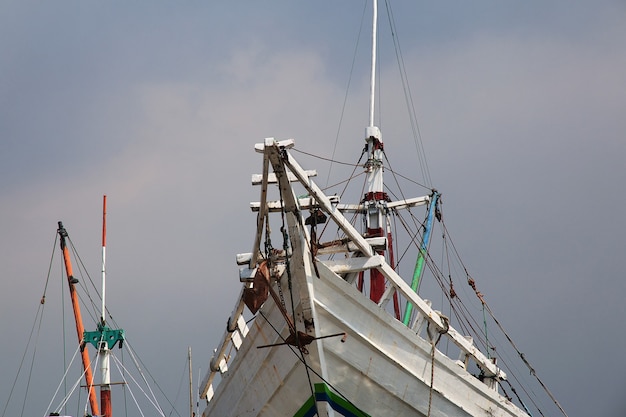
(373, 76)
(105, 369)
(104, 239)
(196, 395)
(190, 387)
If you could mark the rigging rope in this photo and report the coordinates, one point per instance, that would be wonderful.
(32, 363)
(38, 318)
(485, 325)
(76, 384)
(93, 314)
(345, 98)
(151, 398)
(84, 272)
(433, 343)
(531, 369)
(36, 331)
(145, 381)
(90, 387)
(357, 165)
(518, 398)
(408, 98)
(132, 395)
(467, 318)
(432, 377)
(306, 365)
(486, 306)
(346, 181)
(138, 365)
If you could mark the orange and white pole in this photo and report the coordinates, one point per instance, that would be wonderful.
(104, 241)
(80, 329)
(105, 374)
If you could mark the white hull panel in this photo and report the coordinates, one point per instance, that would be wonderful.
(383, 368)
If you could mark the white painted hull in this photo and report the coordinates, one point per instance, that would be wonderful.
(383, 368)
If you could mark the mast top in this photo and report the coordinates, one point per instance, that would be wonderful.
(373, 137)
(373, 132)
(373, 74)
(104, 239)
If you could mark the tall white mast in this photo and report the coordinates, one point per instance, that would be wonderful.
(375, 198)
(373, 137)
(373, 75)
(104, 228)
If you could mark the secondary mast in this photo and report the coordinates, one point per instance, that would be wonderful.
(104, 338)
(80, 329)
(191, 413)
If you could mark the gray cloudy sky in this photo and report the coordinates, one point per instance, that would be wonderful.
(522, 109)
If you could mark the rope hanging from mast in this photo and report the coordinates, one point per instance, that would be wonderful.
(36, 324)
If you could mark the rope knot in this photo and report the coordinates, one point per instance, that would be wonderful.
(440, 331)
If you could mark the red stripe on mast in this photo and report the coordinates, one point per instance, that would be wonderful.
(104, 221)
(105, 388)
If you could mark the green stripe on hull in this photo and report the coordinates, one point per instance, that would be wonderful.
(336, 402)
